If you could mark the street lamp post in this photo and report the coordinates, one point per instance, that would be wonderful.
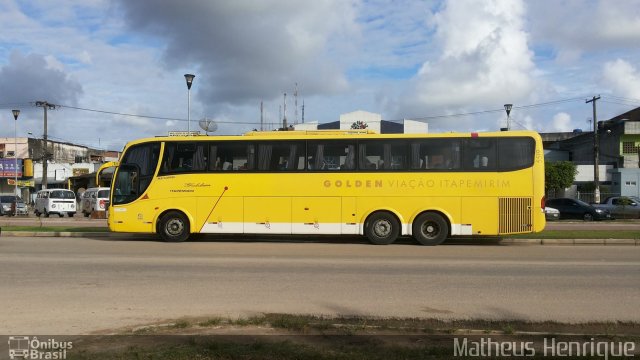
(15, 158)
(189, 78)
(507, 108)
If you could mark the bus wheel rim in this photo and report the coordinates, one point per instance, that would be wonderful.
(174, 227)
(430, 229)
(382, 228)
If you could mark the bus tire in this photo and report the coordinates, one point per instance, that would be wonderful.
(430, 229)
(174, 227)
(382, 228)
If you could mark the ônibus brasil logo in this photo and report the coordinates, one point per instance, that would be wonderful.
(25, 347)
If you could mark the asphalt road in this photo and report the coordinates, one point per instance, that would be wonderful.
(81, 221)
(82, 285)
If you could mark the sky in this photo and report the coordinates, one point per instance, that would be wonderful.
(115, 68)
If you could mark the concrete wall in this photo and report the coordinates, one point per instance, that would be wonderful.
(415, 127)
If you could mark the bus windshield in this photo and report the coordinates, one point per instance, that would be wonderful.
(135, 172)
(62, 194)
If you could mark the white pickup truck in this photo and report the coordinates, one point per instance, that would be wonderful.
(621, 206)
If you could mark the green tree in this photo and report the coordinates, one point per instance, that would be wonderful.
(559, 175)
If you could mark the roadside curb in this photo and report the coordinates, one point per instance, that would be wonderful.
(601, 242)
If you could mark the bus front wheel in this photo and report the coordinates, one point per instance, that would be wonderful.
(174, 227)
(430, 229)
(382, 228)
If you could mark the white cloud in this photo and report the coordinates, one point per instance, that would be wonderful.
(485, 61)
(84, 57)
(561, 122)
(579, 26)
(622, 77)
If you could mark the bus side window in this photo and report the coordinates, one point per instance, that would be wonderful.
(430, 154)
(480, 154)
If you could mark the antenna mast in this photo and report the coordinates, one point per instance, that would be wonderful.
(295, 97)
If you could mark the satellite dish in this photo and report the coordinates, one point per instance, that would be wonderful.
(208, 125)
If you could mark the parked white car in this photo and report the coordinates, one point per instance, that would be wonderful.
(94, 199)
(55, 201)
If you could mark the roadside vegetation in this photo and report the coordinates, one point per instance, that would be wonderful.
(286, 336)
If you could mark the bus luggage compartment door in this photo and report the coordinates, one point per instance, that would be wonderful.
(267, 215)
(316, 215)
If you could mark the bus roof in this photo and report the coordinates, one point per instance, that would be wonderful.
(331, 134)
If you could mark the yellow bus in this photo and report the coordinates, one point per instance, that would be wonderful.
(428, 186)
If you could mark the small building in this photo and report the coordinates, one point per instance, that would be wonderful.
(64, 161)
(619, 153)
(372, 121)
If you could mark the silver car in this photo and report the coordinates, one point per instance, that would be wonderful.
(7, 203)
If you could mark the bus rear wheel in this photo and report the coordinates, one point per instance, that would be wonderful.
(174, 227)
(382, 228)
(430, 229)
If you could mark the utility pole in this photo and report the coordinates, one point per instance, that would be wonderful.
(261, 116)
(596, 151)
(45, 157)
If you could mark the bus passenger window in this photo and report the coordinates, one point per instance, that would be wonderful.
(332, 156)
(436, 154)
(480, 154)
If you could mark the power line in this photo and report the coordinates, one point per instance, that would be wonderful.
(555, 102)
(149, 116)
(622, 98)
(618, 103)
(122, 114)
(10, 105)
(548, 103)
(433, 117)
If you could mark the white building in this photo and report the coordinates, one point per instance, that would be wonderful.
(372, 121)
